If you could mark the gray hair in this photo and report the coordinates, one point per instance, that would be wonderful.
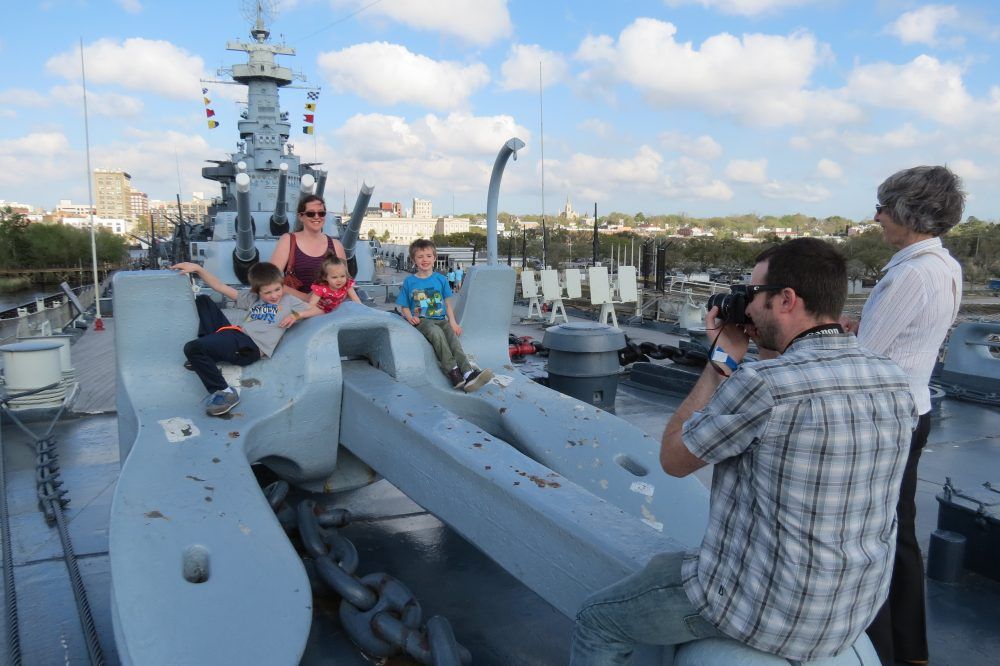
(926, 199)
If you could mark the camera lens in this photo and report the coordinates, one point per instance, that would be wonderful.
(732, 307)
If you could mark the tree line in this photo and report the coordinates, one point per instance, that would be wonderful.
(27, 245)
(974, 243)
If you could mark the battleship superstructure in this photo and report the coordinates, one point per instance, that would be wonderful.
(262, 181)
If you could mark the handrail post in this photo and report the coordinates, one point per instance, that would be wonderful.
(509, 148)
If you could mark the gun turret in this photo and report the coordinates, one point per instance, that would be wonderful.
(245, 255)
(350, 235)
(279, 221)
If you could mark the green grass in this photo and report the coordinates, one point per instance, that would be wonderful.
(10, 285)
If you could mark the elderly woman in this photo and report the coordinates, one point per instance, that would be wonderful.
(907, 317)
(300, 253)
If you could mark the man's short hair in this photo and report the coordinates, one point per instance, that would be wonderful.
(263, 274)
(421, 244)
(816, 271)
(926, 199)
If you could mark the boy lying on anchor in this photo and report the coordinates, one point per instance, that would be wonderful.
(269, 312)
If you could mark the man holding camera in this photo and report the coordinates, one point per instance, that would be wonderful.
(809, 445)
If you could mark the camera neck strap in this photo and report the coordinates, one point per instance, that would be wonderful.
(815, 331)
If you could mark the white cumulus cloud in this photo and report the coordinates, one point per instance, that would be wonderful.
(795, 191)
(702, 147)
(595, 126)
(35, 156)
(130, 6)
(742, 7)
(924, 85)
(906, 136)
(759, 79)
(747, 171)
(480, 22)
(922, 26)
(149, 155)
(148, 65)
(99, 103)
(465, 134)
(969, 170)
(379, 137)
(520, 71)
(391, 74)
(829, 169)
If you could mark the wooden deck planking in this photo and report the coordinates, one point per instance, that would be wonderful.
(94, 361)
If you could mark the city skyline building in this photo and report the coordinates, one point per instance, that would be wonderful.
(113, 194)
(422, 208)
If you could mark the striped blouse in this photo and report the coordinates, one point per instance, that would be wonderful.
(908, 314)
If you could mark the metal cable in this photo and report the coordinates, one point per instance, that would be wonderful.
(13, 633)
(79, 591)
(51, 500)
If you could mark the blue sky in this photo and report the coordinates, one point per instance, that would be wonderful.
(704, 107)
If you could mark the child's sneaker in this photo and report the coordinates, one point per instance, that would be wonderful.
(455, 375)
(222, 401)
(477, 379)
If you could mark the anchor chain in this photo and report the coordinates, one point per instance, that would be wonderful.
(378, 612)
(52, 500)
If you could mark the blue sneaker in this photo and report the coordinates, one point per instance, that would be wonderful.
(222, 401)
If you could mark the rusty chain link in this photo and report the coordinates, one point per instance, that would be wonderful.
(379, 614)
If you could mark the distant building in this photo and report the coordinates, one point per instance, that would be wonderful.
(405, 230)
(422, 209)
(451, 225)
(139, 203)
(163, 214)
(567, 211)
(114, 225)
(67, 207)
(113, 194)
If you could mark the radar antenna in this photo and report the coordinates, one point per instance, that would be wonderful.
(259, 14)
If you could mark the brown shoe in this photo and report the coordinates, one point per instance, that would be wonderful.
(477, 379)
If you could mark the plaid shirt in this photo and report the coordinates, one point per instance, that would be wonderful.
(809, 450)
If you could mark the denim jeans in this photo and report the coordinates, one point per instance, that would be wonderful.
(446, 346)
(649, 607)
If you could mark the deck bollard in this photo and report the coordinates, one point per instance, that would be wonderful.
(945, 556)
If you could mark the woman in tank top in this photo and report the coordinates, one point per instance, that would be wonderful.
(300, 253)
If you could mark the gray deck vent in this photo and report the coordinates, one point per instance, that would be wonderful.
(583, 361)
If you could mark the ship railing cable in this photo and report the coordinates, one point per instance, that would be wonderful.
(377, 612)
(52, 499)
(13, 633)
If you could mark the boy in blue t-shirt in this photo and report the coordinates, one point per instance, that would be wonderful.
(425, 301)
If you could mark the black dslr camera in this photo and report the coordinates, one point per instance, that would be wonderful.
(732, 306)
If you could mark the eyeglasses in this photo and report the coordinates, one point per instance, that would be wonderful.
(751, 290)
(314, 213)
(879, 208)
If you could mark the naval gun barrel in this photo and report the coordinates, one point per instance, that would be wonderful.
(350, 235)
(320, 183)
(246, 254)
(279, 221)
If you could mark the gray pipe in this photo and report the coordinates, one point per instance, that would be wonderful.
(320, 183)
(350, 237)
(508, 149)
(245, 250)
(279, 221)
